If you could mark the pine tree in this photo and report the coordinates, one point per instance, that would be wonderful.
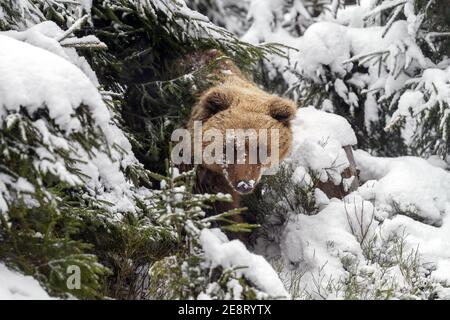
(379, 112)
(44, 206)
(51, 222)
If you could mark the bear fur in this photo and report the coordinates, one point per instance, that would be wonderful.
(235, 102)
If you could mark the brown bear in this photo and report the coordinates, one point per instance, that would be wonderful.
(235, 102)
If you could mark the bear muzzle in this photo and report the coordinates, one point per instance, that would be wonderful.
(245, 186)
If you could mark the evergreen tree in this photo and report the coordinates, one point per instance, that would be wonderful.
(373, 89)
(59, 209)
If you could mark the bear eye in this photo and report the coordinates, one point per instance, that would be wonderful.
(217, 100)
(282, 110)
(280, 116)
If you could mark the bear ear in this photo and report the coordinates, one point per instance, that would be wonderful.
(218, 99)
(282, 110)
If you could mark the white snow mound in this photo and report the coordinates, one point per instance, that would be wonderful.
(16, 286)
(407, 184)
(318, 138)
(232, 254)
(32, 78)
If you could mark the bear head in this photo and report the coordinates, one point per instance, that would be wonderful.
(255, 127)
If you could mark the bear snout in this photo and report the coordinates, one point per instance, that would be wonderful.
(245, 186)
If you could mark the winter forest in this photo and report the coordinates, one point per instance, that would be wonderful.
(93, 207)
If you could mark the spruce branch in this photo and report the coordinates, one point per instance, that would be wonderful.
(431, 36)
(76, 26)
(383, 7)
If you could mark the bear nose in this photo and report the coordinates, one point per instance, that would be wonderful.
(245, 186)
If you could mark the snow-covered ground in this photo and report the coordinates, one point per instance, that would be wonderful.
(231, 254)
(403, 203)
(392, 232)
(15, 286)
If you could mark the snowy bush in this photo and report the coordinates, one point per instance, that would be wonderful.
(372, 244)
(72, 191)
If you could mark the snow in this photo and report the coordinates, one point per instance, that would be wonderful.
(313, 242)
(333, 45)
(233, 254)
(385, 6)
(33, 77)
(432, 88)
(408, 182)
(315, 245)
(37, 72)
(328, 52)
(432, 242)
(407, 197)
(318, 138)
(353, 16)
(406, 105)
(404, 196)
(16, 286)
(44, 35)
(422, 192)
(261, 12)
(319, 124)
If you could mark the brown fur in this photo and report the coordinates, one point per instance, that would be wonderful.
(235, 102)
